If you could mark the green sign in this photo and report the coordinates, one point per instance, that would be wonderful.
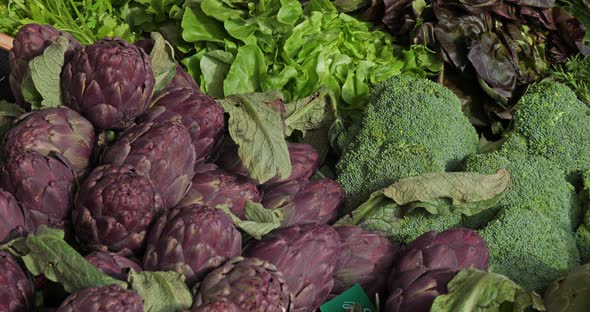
(346, 302)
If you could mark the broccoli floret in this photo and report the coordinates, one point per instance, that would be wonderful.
(419, 222)
(535, 182)
(556, 125)
(411, 126)
(529, 247)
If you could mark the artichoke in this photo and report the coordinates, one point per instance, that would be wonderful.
(365, 259)
(305, 161)
(199, 113)
(249, 283)
(212, 186)
(43, 185)
(217, 306)
(109, 82)
(30, 41)
(99, 299)
(53, 130)
(192, 240)
(306, 255)
(160, 151)
(570, 293)
(16, 289)
(112, 264)
(305, 201)
(114, 208)
(428, 265)
(14, 220)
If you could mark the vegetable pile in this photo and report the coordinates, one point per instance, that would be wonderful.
(292, 156)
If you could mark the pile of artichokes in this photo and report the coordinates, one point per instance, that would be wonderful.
(156, 196)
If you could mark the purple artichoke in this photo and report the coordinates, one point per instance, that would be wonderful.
(109, 82)
(306, 255)
(305, 161)
(217, 306)
(365, 259)
(16, 289)
(305, 201)
(43, 185)
(212, 186)
(199, 113)
(53, 130)
(14, 220)
(114, 208)
(249, 283)
(112, 264)
(430, 262)
(30, 41)
(192, 240)
(99, 299)
(161, 152)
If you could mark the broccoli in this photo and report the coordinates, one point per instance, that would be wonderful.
(411, 126)
(529, 247)
(535, 181)
(556, 125)
(576, 75)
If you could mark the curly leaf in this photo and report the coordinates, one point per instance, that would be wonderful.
(162, 59)
(446, 192)
(475, 290)
(161, 291)
(46, 252)
(257, 128)
(41, 86)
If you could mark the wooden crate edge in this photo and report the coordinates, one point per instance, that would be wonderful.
(5, 42)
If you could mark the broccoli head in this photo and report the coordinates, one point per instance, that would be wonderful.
(411, 126)
(535, 182)
(556, 125)
(529, 247)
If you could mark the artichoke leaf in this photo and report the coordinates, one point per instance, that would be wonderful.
(257, 128)
(441, 193)
(162, 60)
(161, 291)
(259, 220)
(476, 290)
(46, 252)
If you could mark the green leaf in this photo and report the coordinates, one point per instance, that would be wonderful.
(46, 252)
(259, 220)
(196, 26)
(246, 71)
(441, 193)
(161, 291)
(41, 86)
(163, 63)
(215, 66)
(257, 128)
(313, 112)
(476, 290)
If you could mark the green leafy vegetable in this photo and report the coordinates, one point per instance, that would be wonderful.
(161, 291)
(257, 128)
(476, 290)
(576, 74)
(46, 252)
(88, 21)
(8, 113)
(42, 85)
(280, 45)
(316, 111)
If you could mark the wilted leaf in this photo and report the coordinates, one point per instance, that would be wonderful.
(316, 111)
(476, 290)
(162, 60)
(446, 192)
